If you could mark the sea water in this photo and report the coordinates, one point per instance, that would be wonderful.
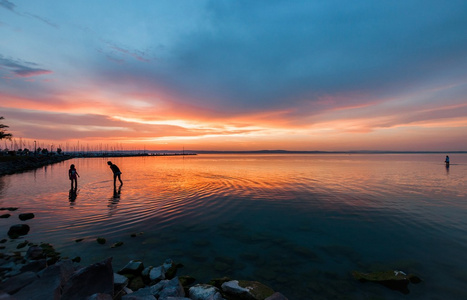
(299, 223)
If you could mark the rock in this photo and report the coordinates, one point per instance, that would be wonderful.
(134, 267)
(49, 283)
(15, 283)
(50, 253)
(217, 282)
(101, 240)
(120, 282)
(171, 268)
(22, 244)
(17, 230)
(157, 274)
(34, 266)
(276, 296)
(204, 292)
(141, 294)
(5, 296)
(99, 296)
(4, 216)
(136, 283)
(7, 266)
(173, 288)
(9, 208)
(138, 297)
(247, 289)
(395, 280)
(26, 216)
(186, 280)
(168, 263)
(96, 278)
(117, 244)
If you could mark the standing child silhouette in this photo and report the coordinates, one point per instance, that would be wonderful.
(73, 174)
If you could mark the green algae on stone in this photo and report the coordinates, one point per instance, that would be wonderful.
(117, 244)
(395, 280)
(256, 289)
(22, 245)
(50, 253)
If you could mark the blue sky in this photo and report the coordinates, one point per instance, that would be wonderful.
(301, 75)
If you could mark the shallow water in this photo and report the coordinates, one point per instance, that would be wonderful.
(298, 223)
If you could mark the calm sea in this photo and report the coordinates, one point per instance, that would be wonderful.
(298, 223)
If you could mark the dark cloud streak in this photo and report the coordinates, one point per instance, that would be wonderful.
(22, 69)
(8, 5)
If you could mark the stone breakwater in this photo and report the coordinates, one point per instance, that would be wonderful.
(20, 164)
(42, 274)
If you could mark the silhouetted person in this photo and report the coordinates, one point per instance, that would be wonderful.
(116, 172)
(73, 175)
(447, 161)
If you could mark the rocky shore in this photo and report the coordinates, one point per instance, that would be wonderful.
(37, 271)
(15, 164)
(40, 273)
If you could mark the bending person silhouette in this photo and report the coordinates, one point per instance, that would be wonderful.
(116, 172)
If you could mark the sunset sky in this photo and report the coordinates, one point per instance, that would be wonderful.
(235, 75)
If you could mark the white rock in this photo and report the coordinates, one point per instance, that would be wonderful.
(204, 292)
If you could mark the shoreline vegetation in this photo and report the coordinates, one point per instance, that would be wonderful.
(12, 164)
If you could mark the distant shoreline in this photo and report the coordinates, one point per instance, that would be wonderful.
(323, 152)
(20, 164)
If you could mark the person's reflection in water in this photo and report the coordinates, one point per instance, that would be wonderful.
(115, 199)
(72, 194)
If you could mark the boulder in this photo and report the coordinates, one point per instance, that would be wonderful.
(15, 283)
(173, 288)
(249, 290)
(99, 296)
(141, 294)
(49, 283)
(134, 267)
(35, 252)
(17, 230)
(204, 292)
(167, 264)
(4, 216)
(138, 297)
(395, 280)
(136, 283)
(96, 278)
(26, 216)
(276, 296)
(34, 266)
(120, 281)
(157, 274)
